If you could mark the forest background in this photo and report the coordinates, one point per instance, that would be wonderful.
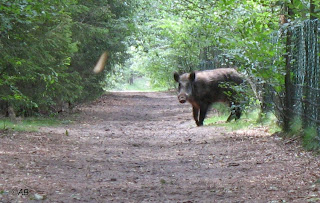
(49, 47)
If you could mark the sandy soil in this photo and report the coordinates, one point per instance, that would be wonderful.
(145, 147)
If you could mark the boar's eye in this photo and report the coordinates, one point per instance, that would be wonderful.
(179, 86)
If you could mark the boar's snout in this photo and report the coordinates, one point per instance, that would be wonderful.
(182, 98)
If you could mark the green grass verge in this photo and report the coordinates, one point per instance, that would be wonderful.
(140, 85)
(307, 135)
(29, 124)
(249, 119)
(310, 139)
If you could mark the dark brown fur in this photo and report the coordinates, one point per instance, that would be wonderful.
(202, 88)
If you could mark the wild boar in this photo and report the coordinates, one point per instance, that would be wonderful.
(203, 88)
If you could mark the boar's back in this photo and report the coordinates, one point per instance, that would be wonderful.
(207, 83)
(219, 75)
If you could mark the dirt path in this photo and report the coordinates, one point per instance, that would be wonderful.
(142, 147)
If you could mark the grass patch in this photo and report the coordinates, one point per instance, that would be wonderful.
(310, 139)
(249, 119)
(307, 135)
(29, 124)
(140, 85)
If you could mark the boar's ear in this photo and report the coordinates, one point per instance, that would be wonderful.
(176, 77)
(192, 76)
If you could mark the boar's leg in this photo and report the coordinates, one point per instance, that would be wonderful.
(238, 112)
(196, 114)
(231, 116)
(235, 113)
(203, 113)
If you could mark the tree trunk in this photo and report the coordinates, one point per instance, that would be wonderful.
(288, 83)
(312, 10)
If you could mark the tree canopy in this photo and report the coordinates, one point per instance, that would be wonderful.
(173, 34)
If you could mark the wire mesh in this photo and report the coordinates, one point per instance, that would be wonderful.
(305, 73)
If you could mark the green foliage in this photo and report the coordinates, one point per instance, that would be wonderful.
(308, 136)
(173, 33)
(140, 84)
(98, 27)
(36, 42)
(310, 139)
(296, 127)
(162, 44)
(48, 49)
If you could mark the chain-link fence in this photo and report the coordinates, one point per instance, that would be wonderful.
(305, 78)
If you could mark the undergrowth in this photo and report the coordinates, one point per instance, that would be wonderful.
(250, 118)
(307, 135)
(139, 84)
(253, 118)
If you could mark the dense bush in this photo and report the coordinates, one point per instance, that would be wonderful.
(48, 49)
